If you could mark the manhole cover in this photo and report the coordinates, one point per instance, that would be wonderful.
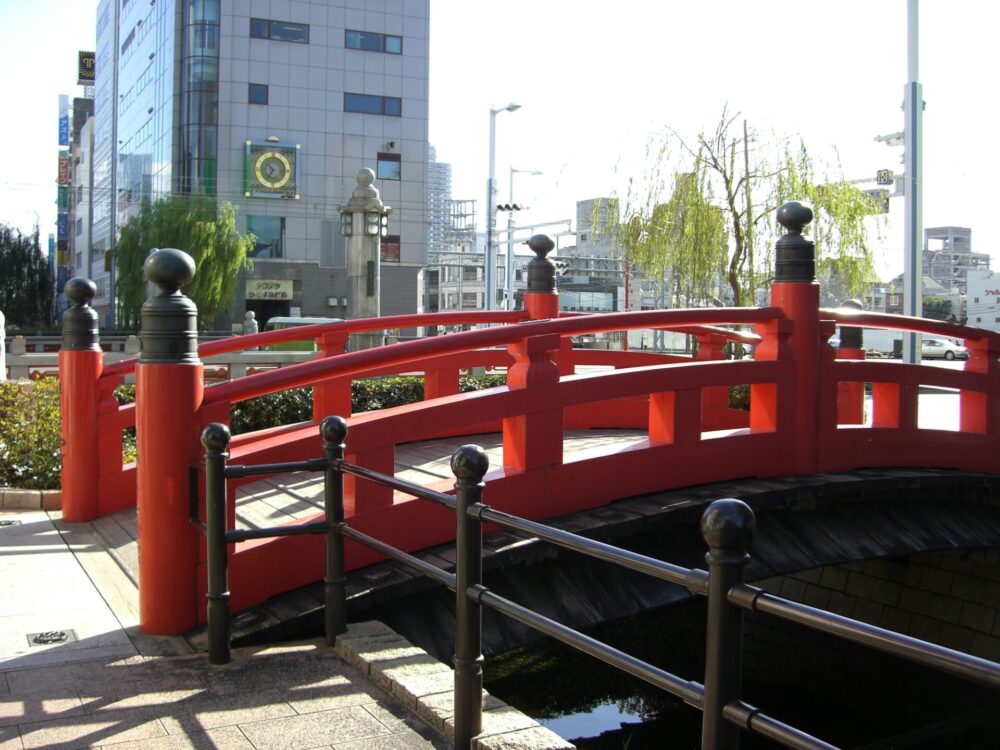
(51, 637)
(9, 522)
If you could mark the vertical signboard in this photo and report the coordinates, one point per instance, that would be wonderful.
(85, 68)
(63, 120)
(63, 168)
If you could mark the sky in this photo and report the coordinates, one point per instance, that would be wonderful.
(597, 81)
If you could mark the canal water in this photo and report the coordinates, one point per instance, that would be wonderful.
(840, 693)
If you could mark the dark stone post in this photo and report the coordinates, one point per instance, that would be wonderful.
(81, 362)
(541, 300)
(851, 394)
(169, 384)
(728, 527)
(469, 464)
(215, 438)
(334, 431)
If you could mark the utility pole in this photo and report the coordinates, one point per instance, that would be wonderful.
(913, 136)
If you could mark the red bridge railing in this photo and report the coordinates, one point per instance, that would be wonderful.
(806, 414)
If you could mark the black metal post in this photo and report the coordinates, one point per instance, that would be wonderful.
(727, 526)
(469, 464)
(334, 430)
(215, 438)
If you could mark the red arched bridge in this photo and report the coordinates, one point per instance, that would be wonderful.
(806, 414)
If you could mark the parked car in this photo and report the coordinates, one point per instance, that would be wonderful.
(942, 349)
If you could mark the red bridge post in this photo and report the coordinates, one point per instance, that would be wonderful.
(169, 381)
(534, 439)
(796, 339)
(332, 396)
(80, 364)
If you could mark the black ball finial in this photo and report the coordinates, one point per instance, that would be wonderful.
(169, 268)
(333, 429)
(541, 245)
(728, 524)
(80, 291)
(215, 437)
(470, 463)
(794, 215)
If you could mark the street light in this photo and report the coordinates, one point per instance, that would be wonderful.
(508, 281)
(491, 270)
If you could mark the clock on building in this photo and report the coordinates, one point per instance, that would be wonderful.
(271, 170)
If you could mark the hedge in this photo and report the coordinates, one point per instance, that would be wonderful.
(29, 418)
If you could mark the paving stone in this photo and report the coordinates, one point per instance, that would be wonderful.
(208, 711)
(226, 738)
(24, 711)
(533, 738)
(10, 739)
(322, 728)
(92, 729)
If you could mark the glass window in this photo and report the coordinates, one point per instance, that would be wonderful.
(470, 300)
(260, 28)
(257, 93)
(371, 41)
(282, 31)
(389, 249)
(270, 234)
(286, 31)
(388, 167)
(367, 105)
(393, 106)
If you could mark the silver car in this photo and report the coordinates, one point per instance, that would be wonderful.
(942, 349)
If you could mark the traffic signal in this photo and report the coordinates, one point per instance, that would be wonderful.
(510, 207)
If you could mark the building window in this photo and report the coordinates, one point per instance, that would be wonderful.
(257, 93)
(388, 167)
(975, 299)
(373, 42)
(470, 300)
(270, 234)
(367, 104)
(470, 273)
(389, 249)
(280, 31)
(79, 227)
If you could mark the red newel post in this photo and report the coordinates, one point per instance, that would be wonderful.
(332, 396)
(796, 292)
(169, 392)
(80, 365)
(534, 439)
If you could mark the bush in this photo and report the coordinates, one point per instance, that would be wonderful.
(30, 455)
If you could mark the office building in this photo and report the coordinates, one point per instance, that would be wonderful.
(274, 107)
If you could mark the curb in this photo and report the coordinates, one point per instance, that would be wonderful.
(426, 686)
(14, 499)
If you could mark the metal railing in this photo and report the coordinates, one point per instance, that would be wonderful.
(727, 526)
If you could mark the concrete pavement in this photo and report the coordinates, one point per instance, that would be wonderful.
(75, 672)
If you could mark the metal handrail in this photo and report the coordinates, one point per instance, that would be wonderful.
(727, 526)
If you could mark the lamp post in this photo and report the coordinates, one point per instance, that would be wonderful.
(508, 281)
(490, 271)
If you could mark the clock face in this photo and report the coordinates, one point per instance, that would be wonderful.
(271, 170)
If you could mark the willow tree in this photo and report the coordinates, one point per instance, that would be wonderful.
(26, 283)
(199, 227)
(719, 219)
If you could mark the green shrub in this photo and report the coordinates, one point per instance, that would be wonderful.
(739, 397)
(30, 455)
